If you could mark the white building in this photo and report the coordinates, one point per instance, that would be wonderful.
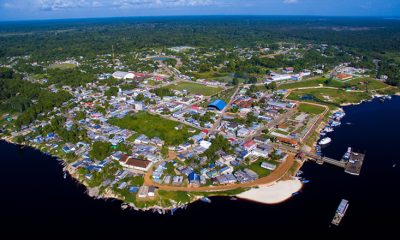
(123, 75)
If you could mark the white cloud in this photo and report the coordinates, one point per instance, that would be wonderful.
(54, 5)
(160, 3)
(290, 1)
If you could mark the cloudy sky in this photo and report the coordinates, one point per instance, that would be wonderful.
(45, 9)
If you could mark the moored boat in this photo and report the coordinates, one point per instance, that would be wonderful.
(325, 141)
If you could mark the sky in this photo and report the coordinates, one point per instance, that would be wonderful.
(60, 9)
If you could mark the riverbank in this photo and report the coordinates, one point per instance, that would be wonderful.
(273, 194)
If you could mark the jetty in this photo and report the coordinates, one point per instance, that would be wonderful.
(352, 166)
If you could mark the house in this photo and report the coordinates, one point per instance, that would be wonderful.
(268, 166)
(143, 191)
(194, 178)
(151, 191)
(205, 144)
(243, 132)
(249, 145)
(288, 70)
(288, 141)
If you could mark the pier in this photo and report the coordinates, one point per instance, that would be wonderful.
(352, 166)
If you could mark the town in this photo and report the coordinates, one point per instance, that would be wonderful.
(169, 127)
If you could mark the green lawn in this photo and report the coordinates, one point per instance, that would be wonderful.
(256, 167)
(372, 85)
(195, 88)
(62, 66)
(336, 96)
(307, 108)
(311, 83)
(154, 126)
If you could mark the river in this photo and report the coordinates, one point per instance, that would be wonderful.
(35, 199)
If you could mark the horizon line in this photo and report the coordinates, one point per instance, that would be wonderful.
(201, 15)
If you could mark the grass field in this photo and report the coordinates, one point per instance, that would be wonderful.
(256, 167)
(329, 96)
(358, 83)
(372, 85)
(62, 66)
(195, 88)
(310, 83)
(307, 108)
(154, 126)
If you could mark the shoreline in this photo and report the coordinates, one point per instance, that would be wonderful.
(275, 193)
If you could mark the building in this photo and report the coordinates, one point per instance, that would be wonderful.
(249, 145)
(143, 191)
(343, 76)
(135, 163)
(268, 166)
(151, 191)
(123, 75)
(217, 104)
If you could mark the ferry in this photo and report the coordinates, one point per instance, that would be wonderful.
(325, 141)
(340, 212)
(205, 199)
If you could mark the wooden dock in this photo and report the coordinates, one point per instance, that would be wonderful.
(353, 166)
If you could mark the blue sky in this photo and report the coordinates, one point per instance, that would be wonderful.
(49, 9)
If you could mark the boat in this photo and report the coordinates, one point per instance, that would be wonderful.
(325, 141)
(348, 123)
(299, 173)
(159, 211)
(124, 206)
(65, 174)
(388, 97)
(205, 199)
(394, 165)
(305, 181)
(173, 211)
(340, 212)
(328, 129)
(295, 193)
(233, 198)
(322, 133)
(382, 100)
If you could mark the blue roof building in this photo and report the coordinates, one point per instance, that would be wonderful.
(217, 104)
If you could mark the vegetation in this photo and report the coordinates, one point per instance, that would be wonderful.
(154, 126)
(333, 97)
(100, 150)
(195, 88)
(27, 99)
(312, 109)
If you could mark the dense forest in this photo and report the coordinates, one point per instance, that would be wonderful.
(372, 38)
(65, 38)
(28, 99)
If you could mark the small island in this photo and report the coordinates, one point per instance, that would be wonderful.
(168, 127)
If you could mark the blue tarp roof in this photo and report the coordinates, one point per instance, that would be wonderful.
(218, 104)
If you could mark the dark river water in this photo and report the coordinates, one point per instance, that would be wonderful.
(36, 200)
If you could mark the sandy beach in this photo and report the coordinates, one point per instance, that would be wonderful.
(272, 194)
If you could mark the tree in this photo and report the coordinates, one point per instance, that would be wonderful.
(100, 150)
(271, 86)
(139, 97)
(235, 81)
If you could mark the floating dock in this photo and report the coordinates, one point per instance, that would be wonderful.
(340, 212)
(355, 163)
